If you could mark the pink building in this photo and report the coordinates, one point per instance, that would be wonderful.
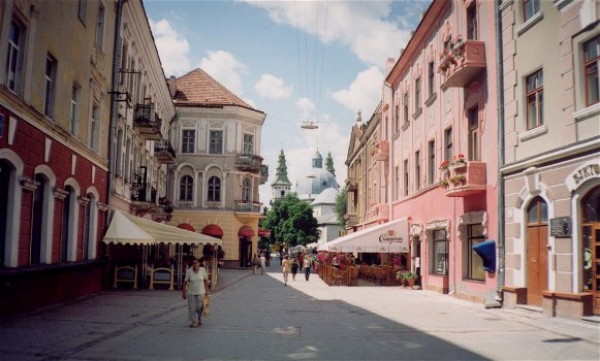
(439, 116)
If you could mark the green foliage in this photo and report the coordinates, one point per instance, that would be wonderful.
(341, 207)
(291, 222)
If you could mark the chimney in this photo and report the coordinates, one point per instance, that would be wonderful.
(172, 84)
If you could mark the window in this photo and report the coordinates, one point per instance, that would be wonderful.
(89, 235)
(37, 220)
(186, 188)
(440, 252)
(214, 189)
(473, 119)
(119, 160)
(128, 160)
(74, 109)
(592, 61)
(396, 118)
(94, 124)
(188, 139)
(5, 208)
(124, 56)
(1, 125)
(82, 10)
(472, 21)
(50, 86)
(14, 55)
(530, 8)
(248, 144)
(537, 212)
(246, 190)
(68, 223)
(100, 27)
(216, 142)
(405, 103)
(431, 162)
(448, 144)
(417, 170)
(535, 100)
(406, 177)
(417, 94)
(475, 264)
(397, 177)
(431, 79)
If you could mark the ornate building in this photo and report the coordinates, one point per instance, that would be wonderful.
(215, 180)
(282, 185)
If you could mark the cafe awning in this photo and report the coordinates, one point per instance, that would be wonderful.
(129, 229)
(390, 237)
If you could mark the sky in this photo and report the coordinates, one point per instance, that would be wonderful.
(297, 61)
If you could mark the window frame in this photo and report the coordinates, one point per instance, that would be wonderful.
(15, 56)
(536, 8)
(188, 141)
(431, 162)
(214, 142)
(448, 151)
(75, 108)
(588, 63)
(249, 143)
(474, 143)
(94, 127)
(214, 189)
(431, 79)
(186, 188)
(439, 237)
(535, 97)
(472, 22)
(405, 100)
(100, 26)
(417, 94)
(247, 190)
(472, 256)
(406, 177)
(417, 170)
(50, 76)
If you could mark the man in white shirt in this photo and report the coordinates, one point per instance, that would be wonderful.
(195, 286)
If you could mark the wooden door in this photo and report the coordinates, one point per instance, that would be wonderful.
(537, 263)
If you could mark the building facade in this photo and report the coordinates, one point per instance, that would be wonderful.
(552, 163)
(54, 128)
(439, 115)
(216, 136)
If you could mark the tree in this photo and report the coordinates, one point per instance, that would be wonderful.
(341, 206)
(291, 222)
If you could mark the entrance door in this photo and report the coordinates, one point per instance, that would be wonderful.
(591, 245)
(245, 251)
(537, 252)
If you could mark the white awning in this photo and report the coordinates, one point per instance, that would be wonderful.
(129, 229)
(390, 237)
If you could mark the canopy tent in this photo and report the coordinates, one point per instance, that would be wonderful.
(390, 237)
(129, 229)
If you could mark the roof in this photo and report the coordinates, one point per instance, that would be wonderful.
(200, 89)
(327, 196)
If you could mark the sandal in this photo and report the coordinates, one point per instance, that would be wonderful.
(193, 324)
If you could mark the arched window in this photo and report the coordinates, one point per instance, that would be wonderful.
(246, 190)
(214, 189)
(37, 219)
(5, 172)
(89, 235)
(68, 224)
(537, 213)
(186, 188)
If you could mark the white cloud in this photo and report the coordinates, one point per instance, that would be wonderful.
(173, 48)
(364, 93)
(360, 25)
(306, 108)
(269, 86)
(226, 69)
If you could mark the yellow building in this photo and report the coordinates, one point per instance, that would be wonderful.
(218, 169)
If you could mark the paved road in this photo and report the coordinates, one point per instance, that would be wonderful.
(257, 318)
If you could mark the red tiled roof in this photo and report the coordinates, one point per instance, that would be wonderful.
(199, 88)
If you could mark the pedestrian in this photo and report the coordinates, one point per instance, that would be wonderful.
(263, 264)
(254, 263)
(294, 267)
(195, 286)
(307, 265)
(286, 266)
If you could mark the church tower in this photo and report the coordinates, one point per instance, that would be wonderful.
(282, 185)
(329, 164)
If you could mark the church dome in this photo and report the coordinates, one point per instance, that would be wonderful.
(313, 186)
(327, 196)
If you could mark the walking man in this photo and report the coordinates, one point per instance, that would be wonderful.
(263, 263)
(307, 264)
(195, 286)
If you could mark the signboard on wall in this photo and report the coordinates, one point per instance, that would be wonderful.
(560, 227)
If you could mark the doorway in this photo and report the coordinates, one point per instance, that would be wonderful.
(591, 246)
(245, 251)
(537, 251)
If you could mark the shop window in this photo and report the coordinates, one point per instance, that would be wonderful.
(440, 252)
(590, 248)
(475, 236)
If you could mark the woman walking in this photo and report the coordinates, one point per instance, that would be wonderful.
(307, 265)
(195, 286)
(254, 264)
(294, 268)
(286, 266)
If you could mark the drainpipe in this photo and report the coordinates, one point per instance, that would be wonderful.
(500, 180)
(112, 130)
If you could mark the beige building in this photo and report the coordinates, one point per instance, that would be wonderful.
(143, 112)
(219, 168)
(552, 163)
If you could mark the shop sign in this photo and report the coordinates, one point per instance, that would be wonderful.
(583, 173)
(560, 227)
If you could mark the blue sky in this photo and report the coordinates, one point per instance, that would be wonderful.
(296, 61)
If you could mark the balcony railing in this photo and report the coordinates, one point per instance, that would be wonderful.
(351, 220)
(147, 122)
(464, 179)
(248, 163)
(379, 212)
(247, 206)
(461, 64)
(164, 152)
(264, 173)
(382, 150)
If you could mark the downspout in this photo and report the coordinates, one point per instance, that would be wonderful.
(500, 180)
(112, 130)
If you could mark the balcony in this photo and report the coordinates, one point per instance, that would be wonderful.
(351, 220)
(164, 152)
(264, 173)
(464, 179)
(351, 185)
(462, 63)
(248, 163)
(247, 206)
(382, 150)
(147, 122)
(378, 212)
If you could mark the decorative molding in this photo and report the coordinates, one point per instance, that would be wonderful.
(438, 224)
(587, 112)
(59, 193)
(505, 4)
(416, 230)
(103, 207)
(479, 217)
(83, 201)
(28, 184)
(532, 133)
(529, 23)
